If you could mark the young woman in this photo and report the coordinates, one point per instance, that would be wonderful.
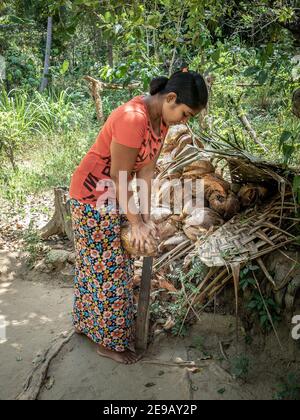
(130, 141)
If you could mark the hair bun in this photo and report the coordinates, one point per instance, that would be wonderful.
(158, 84)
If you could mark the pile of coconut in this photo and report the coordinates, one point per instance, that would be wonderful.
(222, 199)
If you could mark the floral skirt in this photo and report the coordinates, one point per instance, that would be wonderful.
(103, 302)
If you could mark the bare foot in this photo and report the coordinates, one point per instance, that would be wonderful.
(78, 331)
(127, 357)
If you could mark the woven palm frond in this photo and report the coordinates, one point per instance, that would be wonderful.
(252, 235)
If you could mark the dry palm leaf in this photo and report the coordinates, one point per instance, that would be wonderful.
(249, 237)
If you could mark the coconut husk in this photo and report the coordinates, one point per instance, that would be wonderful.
(251, 194)
(227, 206)
(198, 143)
(188, 208)
(203, 167)
(215, 184)
(172, 242)
(204, 218)
(174, 133)
(125, 238)
(176, 175)
(184, 141)
(168, 190)
(194, 232)
(167, 229)
(200, 221)
(177, 218)
(160, 214)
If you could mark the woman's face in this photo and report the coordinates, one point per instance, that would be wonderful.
(173, 113)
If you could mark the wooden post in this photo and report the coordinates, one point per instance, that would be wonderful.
(142, 325)
(44, 82)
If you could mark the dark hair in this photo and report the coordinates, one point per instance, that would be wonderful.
(190, 88)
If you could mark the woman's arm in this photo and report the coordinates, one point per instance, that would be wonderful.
(147, 174)
(123, 158)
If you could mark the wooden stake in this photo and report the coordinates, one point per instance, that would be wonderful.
(142, 325)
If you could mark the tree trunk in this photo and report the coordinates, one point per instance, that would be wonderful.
(110, 47)
(61, 223)
(44, 82)
(296, 103)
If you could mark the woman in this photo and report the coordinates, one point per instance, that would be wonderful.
(130, 141)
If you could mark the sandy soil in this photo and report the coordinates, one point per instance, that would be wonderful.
(35, 307)
(37, 311)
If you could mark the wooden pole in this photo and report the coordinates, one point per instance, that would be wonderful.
(44, 82)
(142, 325)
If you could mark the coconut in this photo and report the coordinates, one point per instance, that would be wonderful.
(215, 184)
(200, 167)
(250, 194)
(173, 135)
(189, 207)
(204, 218)
(227, 205)
(200, 222)
(125, 238)
(160, 214)
(193, 232)
(172, 242)
(167, 229)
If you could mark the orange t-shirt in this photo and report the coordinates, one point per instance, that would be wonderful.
(129, 125)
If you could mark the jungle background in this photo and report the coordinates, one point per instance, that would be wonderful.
(250, 50)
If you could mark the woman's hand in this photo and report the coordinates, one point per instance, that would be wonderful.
(144, 236)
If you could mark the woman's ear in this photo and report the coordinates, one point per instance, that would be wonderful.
(171, 97)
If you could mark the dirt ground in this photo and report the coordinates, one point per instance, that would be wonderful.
(35, 308)
(38, 309)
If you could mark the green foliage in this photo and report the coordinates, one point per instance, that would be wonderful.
(246, 277)
(240, 366)
(264, 308)
(259, 306)
(289, 389)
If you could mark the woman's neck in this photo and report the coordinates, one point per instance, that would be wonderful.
(154, 105)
